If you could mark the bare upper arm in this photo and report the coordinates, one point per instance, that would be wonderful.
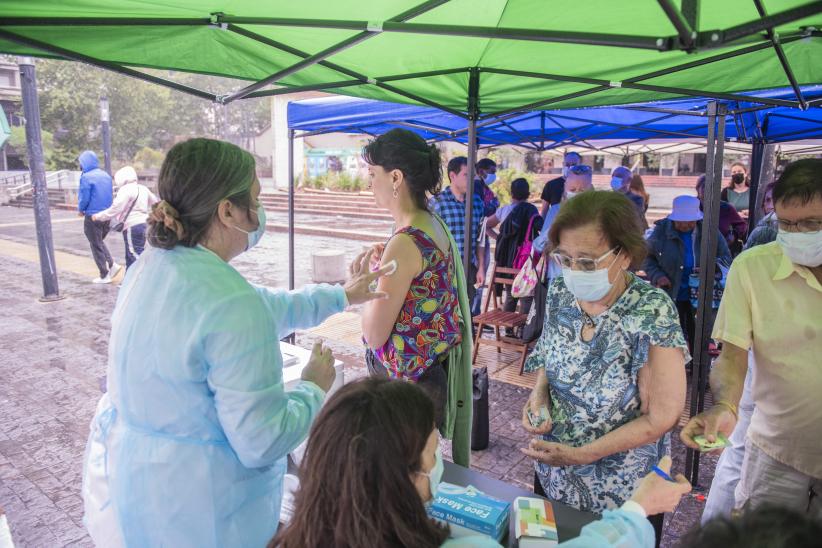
(379, 316)
(662, 386)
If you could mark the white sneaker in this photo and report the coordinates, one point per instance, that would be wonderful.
(105, 280)
(113, 271)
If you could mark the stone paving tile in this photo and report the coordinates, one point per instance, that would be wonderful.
(52, 362)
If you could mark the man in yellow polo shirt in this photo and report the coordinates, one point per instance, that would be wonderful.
(773, 305)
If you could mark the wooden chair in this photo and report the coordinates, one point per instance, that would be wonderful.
(498, 318)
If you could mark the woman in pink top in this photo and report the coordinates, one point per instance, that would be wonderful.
(410, 333)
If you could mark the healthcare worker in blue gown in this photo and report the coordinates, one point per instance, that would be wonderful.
(188, 446)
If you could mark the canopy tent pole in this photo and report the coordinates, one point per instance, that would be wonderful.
(291, 258)
(763, 162)
(473, 113)
(700, 366)
(37, 169)
(783, 59)
(291, 283)
(680, 23)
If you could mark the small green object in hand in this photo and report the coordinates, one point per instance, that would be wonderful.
(705, 445)
(537, 420)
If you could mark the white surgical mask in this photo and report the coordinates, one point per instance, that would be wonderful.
(802, 248)
(490, 178)
(570, 194)
(587, 286)
(435, 475)
(254, 236)
(616, 183)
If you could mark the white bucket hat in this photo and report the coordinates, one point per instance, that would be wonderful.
(686, 208)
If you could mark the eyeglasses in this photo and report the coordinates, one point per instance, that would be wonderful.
(585, 264)
(805, 225)
(581, 169)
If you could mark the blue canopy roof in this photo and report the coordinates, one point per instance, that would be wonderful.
(543, 130)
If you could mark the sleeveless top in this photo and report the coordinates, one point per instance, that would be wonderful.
(427, 326)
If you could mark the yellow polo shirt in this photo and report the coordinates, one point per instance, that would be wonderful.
(775, 307)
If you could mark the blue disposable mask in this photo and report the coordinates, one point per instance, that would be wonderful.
(435, 474)
(254, 236)
(490, 178)
(616, 183)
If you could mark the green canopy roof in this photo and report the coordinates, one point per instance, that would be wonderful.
(510, 54)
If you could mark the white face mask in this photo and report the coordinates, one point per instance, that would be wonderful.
(616, 183)
(570, 194)
(490, 178)
(590, 285)
(255, 235)
(802, 248)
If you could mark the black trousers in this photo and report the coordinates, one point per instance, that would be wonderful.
(96, 232)
(656, 520)
(687, 321)
(434, 382)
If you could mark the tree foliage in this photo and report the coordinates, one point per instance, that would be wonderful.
(142, 115)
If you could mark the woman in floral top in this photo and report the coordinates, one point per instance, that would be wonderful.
(410, 333)
(611, 360)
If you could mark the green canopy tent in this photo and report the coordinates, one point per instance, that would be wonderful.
(482, 60)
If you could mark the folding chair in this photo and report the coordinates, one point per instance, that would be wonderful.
(499, 318)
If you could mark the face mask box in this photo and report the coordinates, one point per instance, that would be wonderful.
(471, 509)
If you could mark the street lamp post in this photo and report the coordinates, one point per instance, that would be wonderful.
(104, 126)
(37, 167)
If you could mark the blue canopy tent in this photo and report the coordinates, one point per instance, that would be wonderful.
(682, 120)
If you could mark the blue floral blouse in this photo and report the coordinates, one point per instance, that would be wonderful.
(594, 390)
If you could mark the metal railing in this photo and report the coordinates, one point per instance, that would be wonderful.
(19, 190)
(15, 180)
(56, 179)
(19, 185)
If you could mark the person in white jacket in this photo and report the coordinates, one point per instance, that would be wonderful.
(131, 207)
(188, 446)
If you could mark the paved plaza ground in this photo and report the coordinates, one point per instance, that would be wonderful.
(53, 361)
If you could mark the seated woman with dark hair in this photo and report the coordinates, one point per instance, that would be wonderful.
(373, 464)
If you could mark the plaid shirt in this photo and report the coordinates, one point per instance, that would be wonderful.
(452, 211)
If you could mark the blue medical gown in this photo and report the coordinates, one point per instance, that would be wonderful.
(188, 446)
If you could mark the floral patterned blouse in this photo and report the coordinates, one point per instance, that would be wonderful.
(428, 324)
(594, 390)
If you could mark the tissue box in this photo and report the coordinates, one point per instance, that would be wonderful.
(469, 508)
(535, 523)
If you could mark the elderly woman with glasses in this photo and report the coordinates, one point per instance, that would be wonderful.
(610, 361)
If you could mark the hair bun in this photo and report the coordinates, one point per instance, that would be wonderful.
(167, 222)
